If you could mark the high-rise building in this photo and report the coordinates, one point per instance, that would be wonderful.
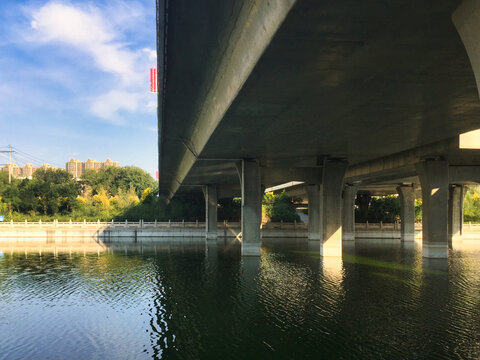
(25, 171)
(74, 167)
(77, 168)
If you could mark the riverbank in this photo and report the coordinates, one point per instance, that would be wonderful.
(74, 232)
(61, 232)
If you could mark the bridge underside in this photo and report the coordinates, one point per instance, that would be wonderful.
(332, 93)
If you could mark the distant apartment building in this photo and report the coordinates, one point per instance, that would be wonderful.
(25, 171)
(77, 168)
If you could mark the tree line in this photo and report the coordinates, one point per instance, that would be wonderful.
(387, 208)
(118, 194)
(130, 193)
(55, 194)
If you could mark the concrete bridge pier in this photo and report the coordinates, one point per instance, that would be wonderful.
(210, 192)
(315, 204)
(433, 176)
(251, 207)
(456, 195)
(407, 212)
(332, 184)
(348, 222)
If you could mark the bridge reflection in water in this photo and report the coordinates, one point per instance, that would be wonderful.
(198, 299)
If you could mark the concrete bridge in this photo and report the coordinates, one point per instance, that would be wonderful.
(338, 94)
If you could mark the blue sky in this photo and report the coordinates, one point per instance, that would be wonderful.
(74, 80)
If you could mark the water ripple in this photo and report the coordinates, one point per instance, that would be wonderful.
(207, 302)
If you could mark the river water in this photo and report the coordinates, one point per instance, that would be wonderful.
(196, 301)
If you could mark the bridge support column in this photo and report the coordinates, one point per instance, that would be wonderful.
(251, 207)
(210, 192)
(348, 223)
(433, 176)
(455, 212)
(333, 175)
(407, 212)
(315, 203)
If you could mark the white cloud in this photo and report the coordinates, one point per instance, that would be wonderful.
(107, 105)
(152, 54)
(88, 30)
(55, 21)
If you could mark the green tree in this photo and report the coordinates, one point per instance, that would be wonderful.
(11, 197)
(114, 179)
(230, 209)
(106, 194)
(418, 210)
(384, 208)
(279, 208)
(55, 189)
(136, 177)
(28, 195)
(472, 204)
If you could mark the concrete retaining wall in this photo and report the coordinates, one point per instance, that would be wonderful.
(89, 233)
(107, 232)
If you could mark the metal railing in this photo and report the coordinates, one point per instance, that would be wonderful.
(284, 226)
(144, 224)
(110, 224)
(197, 224)
(378, 226)
(396, 226)
(470, 226)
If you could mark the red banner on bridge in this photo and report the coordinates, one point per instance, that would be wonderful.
(153, 81)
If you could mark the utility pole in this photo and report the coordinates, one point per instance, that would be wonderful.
(9, 164)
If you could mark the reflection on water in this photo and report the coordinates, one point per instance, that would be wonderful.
(197, 300)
